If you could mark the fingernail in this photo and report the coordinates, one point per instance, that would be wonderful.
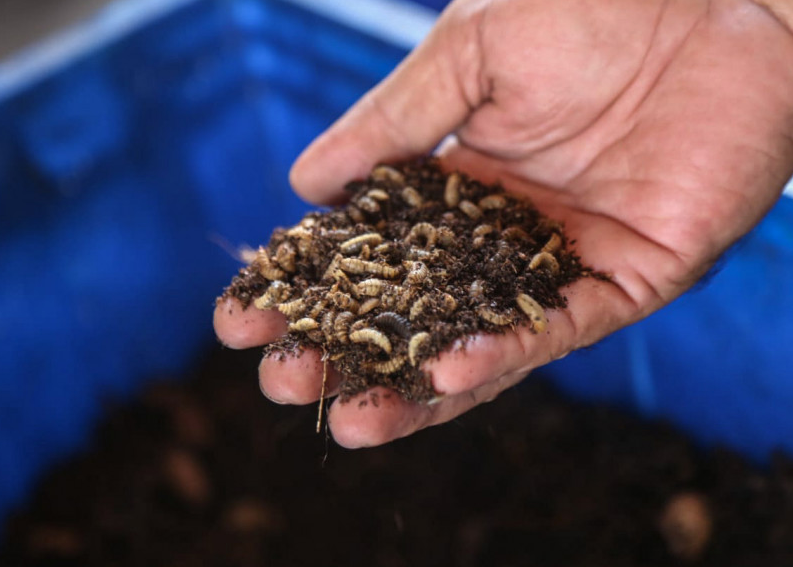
(269, 397)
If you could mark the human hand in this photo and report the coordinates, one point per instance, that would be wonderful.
(658, 131)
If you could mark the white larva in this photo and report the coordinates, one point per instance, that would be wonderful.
(387, 173)
(358, 266)
(373, 337)
(533, 311)
(412, 197)
(423, 233)
(417, 341)
(303, 325)
(293, 308)
(378, 194)
(544, 260)
(387, 367)
(553, 244)
(355, 244)
(451, 192)
(368, 305)
(471, 211)
(491, 316)
(492, 202)
(371, 287)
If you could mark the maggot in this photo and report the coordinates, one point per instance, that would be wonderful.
(333, 267)
(445, 303)
(393, 322)
(403, 298)
(337, 234)
(327, 325)
(368, 305)
(318, 308)
(446, 236)
(357, 266)
(277, 292)
(373, 337)
(471, 211)
(387, 173)
(355, 244)
(303, 325)
(553, 244)
(480, 233)
(300, 231)
(368, 204)
(358, 324)
(492, 202)
(533, 311)
(423, 233)
(355, 213)
(267, 267)
(494, 317)
(451, 192)
(378, 194)
(285, 256)
(417, 341)
(388, 366)
(419, 273)
(448, 303)
(383, 248)
(293, 308)
(515, 233)
(476, 289)
(412, 197)
(419, 254)
(341, 326)
(544, 260)
(483, 230)
(343, 301)
(371, 287)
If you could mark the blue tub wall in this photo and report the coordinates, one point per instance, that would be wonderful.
(718, 361)
(119, 176)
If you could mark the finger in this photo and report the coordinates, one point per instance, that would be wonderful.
(426, 97)
(297, 379)
(375, 417)
(240, 328)
(594, 309)
(379, 415)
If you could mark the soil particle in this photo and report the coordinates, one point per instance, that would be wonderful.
(417, 253)
(529, 479)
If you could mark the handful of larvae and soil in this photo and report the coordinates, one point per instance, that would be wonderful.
(417, 259)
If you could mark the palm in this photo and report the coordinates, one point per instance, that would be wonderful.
(659, 146)
(656, 130)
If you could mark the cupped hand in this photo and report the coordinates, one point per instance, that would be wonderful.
(658, 131)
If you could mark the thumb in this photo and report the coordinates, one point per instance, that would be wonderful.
(407, 114)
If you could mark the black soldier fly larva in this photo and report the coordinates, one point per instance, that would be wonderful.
(417, 259)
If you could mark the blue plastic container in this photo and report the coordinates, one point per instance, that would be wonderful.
(122, 166)
(121, 169)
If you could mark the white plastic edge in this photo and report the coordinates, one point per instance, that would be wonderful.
(400, 22)
(107, 25)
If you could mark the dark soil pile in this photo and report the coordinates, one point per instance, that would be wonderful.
(417, 259)
(207, 472)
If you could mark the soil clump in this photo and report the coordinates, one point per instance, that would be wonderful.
(206, 471)
(418, 259)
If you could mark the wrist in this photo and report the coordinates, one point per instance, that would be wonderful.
(781, 9)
